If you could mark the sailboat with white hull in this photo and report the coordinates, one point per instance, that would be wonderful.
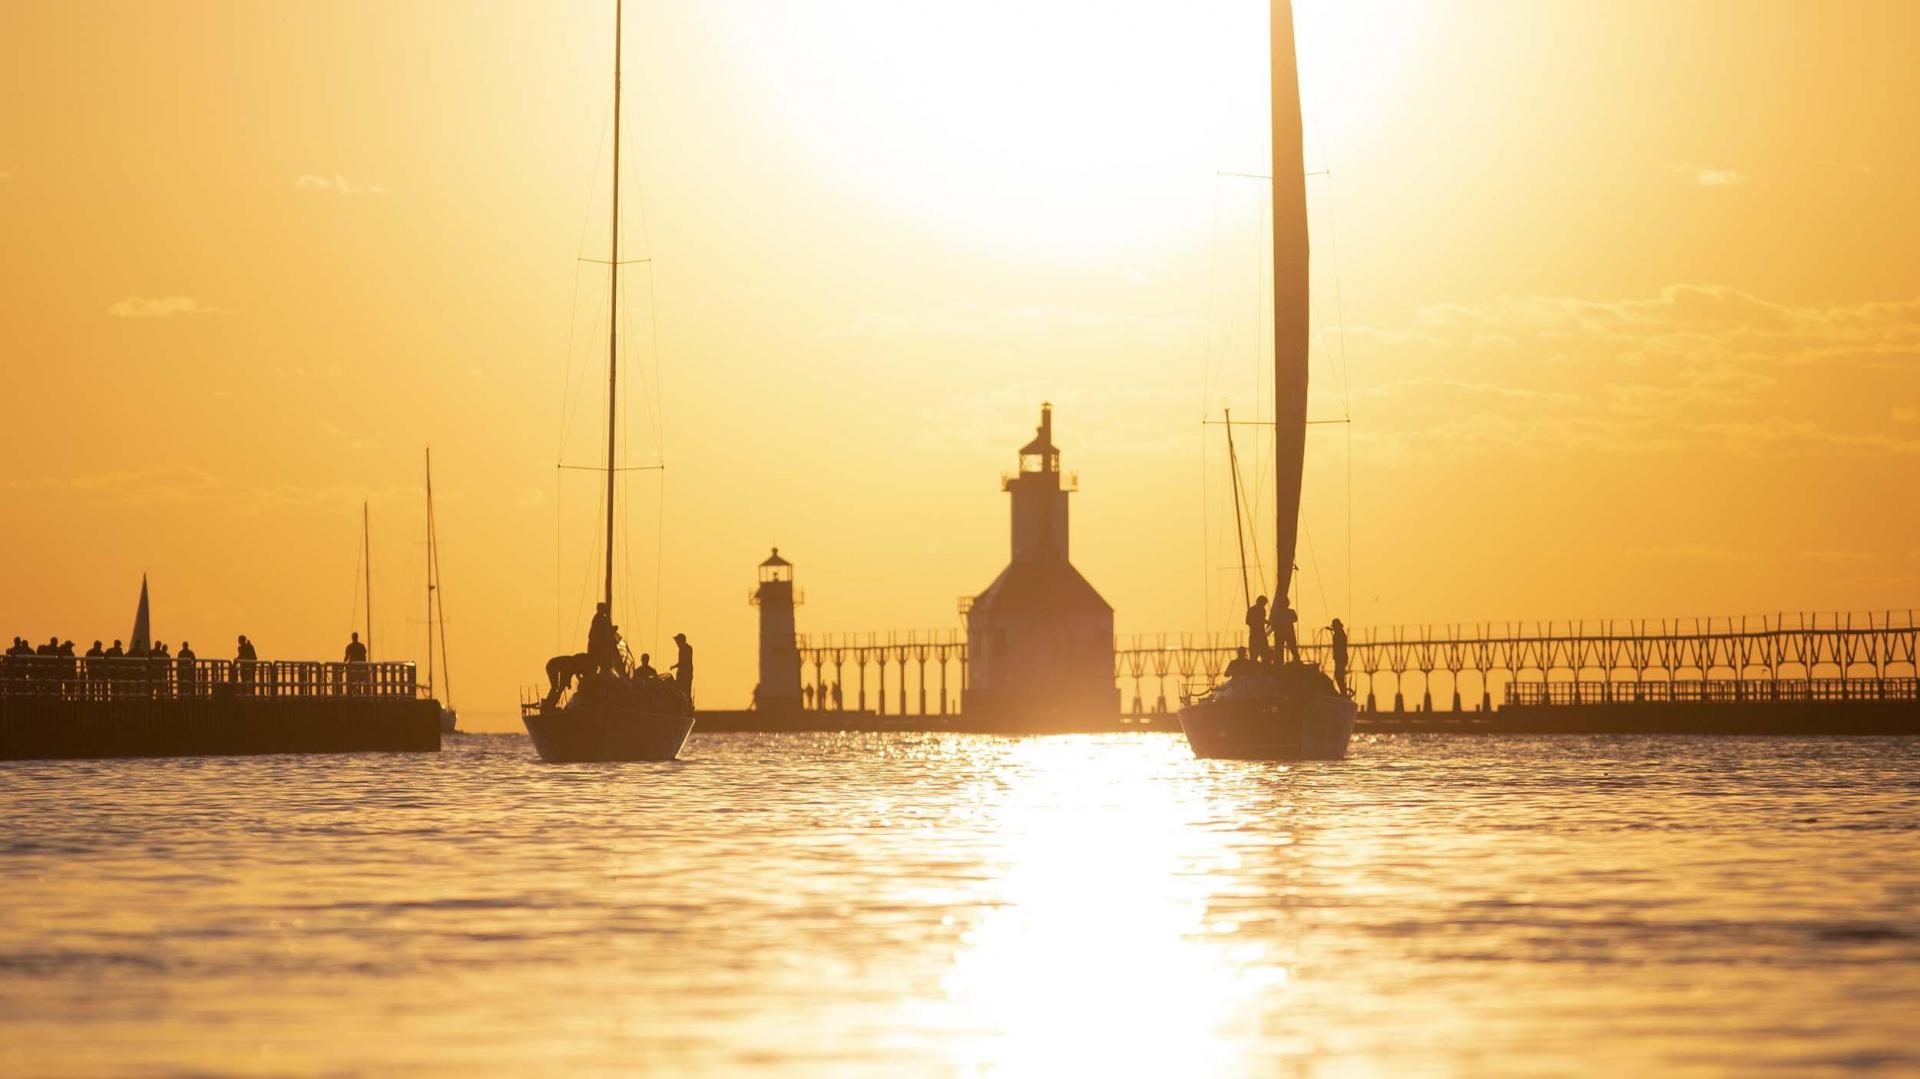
(1277, 710)
(616, 713)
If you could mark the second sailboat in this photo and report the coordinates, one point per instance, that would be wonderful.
(598, 707)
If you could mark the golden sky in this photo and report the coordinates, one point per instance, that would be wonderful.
(1623, 300)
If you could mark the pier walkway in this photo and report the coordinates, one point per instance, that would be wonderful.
(1787, 659)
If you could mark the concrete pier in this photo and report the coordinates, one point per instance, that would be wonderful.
(57, 707)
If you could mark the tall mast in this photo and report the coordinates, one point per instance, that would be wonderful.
(366, 553)
(429, 571)
(613, 303)
(1289, 295)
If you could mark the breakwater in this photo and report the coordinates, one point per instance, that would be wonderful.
(53, 707)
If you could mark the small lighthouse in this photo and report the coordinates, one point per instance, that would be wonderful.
(1040, 638)
(779, 688)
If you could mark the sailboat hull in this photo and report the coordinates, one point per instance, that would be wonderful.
(586, 732)
(1270, 727)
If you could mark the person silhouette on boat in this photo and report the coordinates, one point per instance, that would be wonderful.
(1240, 664)
(1339, 650)
(603, 640)
(115, 652)
(1285, 639)
(683, 667)
(645, 671)
(561, 673)
(1257, 647)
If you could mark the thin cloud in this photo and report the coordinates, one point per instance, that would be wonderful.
(163, 307)
(1708, 177)
(336, 184)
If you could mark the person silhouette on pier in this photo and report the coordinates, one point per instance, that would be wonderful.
(188, 675)
(838, 705)
(1257, 646)
(1285, 639)
(1339, 650)
(683, 667)
(806, 697)
(356, 658)
(244, 659)
(603, 642)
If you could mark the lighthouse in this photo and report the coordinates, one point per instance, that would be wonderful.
(1040, 638)
(779, 688)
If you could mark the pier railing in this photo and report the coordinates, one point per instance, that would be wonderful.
(133, 677)
(1842, 656)
(1567, 694)
(1407, 668)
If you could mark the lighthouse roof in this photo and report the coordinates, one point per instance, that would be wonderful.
(775, 559)
(1040, 588)
(1043, 436)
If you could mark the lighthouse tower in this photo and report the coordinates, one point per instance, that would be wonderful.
(1040, 638)
(779, 688)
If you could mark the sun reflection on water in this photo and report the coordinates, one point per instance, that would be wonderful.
(1097, 952)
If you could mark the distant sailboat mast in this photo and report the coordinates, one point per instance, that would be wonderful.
(366, 550)
(1290, 332)
(613, 305)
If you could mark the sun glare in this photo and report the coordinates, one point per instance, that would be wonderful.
(1097, 956)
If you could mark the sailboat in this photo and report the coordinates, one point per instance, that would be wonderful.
(437, 611)
(615, 714)
(1278, 710)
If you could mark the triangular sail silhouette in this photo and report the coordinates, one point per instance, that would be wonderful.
(141, 640)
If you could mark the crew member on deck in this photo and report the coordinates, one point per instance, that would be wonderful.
(1284, 638)
(1257, 646)
(645, 671)
(602, 643)
(683, 669)
(1239, 664)
(1339, 654)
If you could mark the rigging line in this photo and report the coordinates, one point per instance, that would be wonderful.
(1264, 359)
(573, 313)
(353, 616)
(1346, 364)
(1206, 397)
(659, 554)
(1314, 558)
(1253, 529)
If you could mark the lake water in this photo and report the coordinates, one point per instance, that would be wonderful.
(934, 904)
